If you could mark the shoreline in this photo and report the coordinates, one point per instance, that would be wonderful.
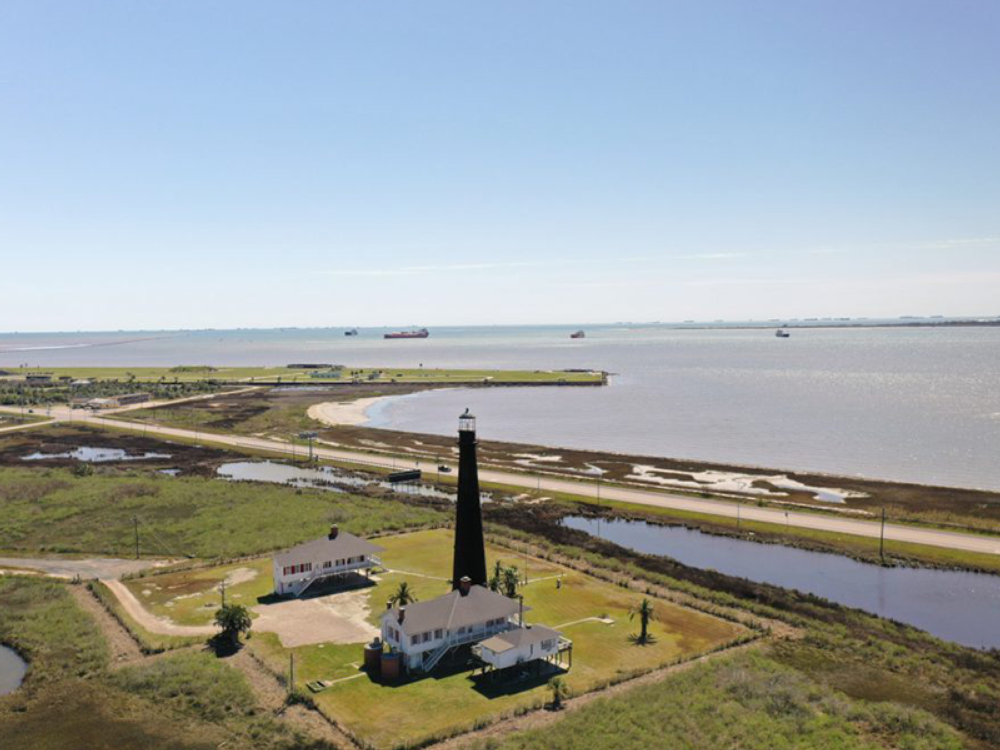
(343, 413)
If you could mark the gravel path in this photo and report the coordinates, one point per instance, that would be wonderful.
(102, 568)
(152, 623)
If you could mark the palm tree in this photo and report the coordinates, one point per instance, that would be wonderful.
(645, 614)
(559, 692)
(403, 595)
(509, 581)
(497, 576)
(233, 619)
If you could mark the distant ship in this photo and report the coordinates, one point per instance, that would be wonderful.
(351, 332)
(577, 335)
(421, 334)
(782, 334)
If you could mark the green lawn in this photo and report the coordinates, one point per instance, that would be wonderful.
(602, 653)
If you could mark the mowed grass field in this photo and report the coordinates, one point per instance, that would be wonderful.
(446, 703)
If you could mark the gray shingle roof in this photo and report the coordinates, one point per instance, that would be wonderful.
(455, 611)
(343, 546)
(519, 638)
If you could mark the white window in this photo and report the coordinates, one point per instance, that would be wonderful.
(439, 633)
(414, 639)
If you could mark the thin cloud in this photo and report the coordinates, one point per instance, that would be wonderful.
(568, 262)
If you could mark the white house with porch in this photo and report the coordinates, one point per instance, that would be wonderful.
(338, 554)
(423, 632)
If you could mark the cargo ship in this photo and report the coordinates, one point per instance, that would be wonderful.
(421, 334)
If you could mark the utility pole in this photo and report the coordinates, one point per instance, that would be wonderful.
(881, 538)
(222, 589)
(291, 673)
(135, 524)
(309, 436)
(598, 490)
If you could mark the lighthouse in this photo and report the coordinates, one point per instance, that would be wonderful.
(470, 550)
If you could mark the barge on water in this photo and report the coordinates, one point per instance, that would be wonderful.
(419, 334)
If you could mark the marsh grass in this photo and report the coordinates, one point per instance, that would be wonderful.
(72, 700)
(54, 511)
(746, 701)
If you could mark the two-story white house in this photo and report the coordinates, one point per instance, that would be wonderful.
(337, 554)
(423, 632)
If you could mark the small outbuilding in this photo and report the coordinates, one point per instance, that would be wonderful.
(523, 645)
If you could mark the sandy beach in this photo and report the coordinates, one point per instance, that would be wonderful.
(333, 413)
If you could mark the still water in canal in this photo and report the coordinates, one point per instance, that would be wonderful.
(954, 605)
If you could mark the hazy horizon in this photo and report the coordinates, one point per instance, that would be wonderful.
(755, 322)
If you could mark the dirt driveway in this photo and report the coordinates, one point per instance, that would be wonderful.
(334, 618)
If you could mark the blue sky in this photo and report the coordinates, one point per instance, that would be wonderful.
(192, 164)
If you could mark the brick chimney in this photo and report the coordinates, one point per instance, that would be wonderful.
(402, 614)
(334, 530)
(464, 584)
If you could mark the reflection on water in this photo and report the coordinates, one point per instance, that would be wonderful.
(95, 455)
(12, 669)
(322, 477)
(927, 599)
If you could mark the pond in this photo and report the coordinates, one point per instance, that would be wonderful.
(954, 605)
(322, 477)
(12, 669)
(95, 455)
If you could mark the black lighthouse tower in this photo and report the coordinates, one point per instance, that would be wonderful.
(470, 550)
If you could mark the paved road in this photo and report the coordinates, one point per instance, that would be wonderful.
(25, 426)
(105, 568)
(857, 527)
